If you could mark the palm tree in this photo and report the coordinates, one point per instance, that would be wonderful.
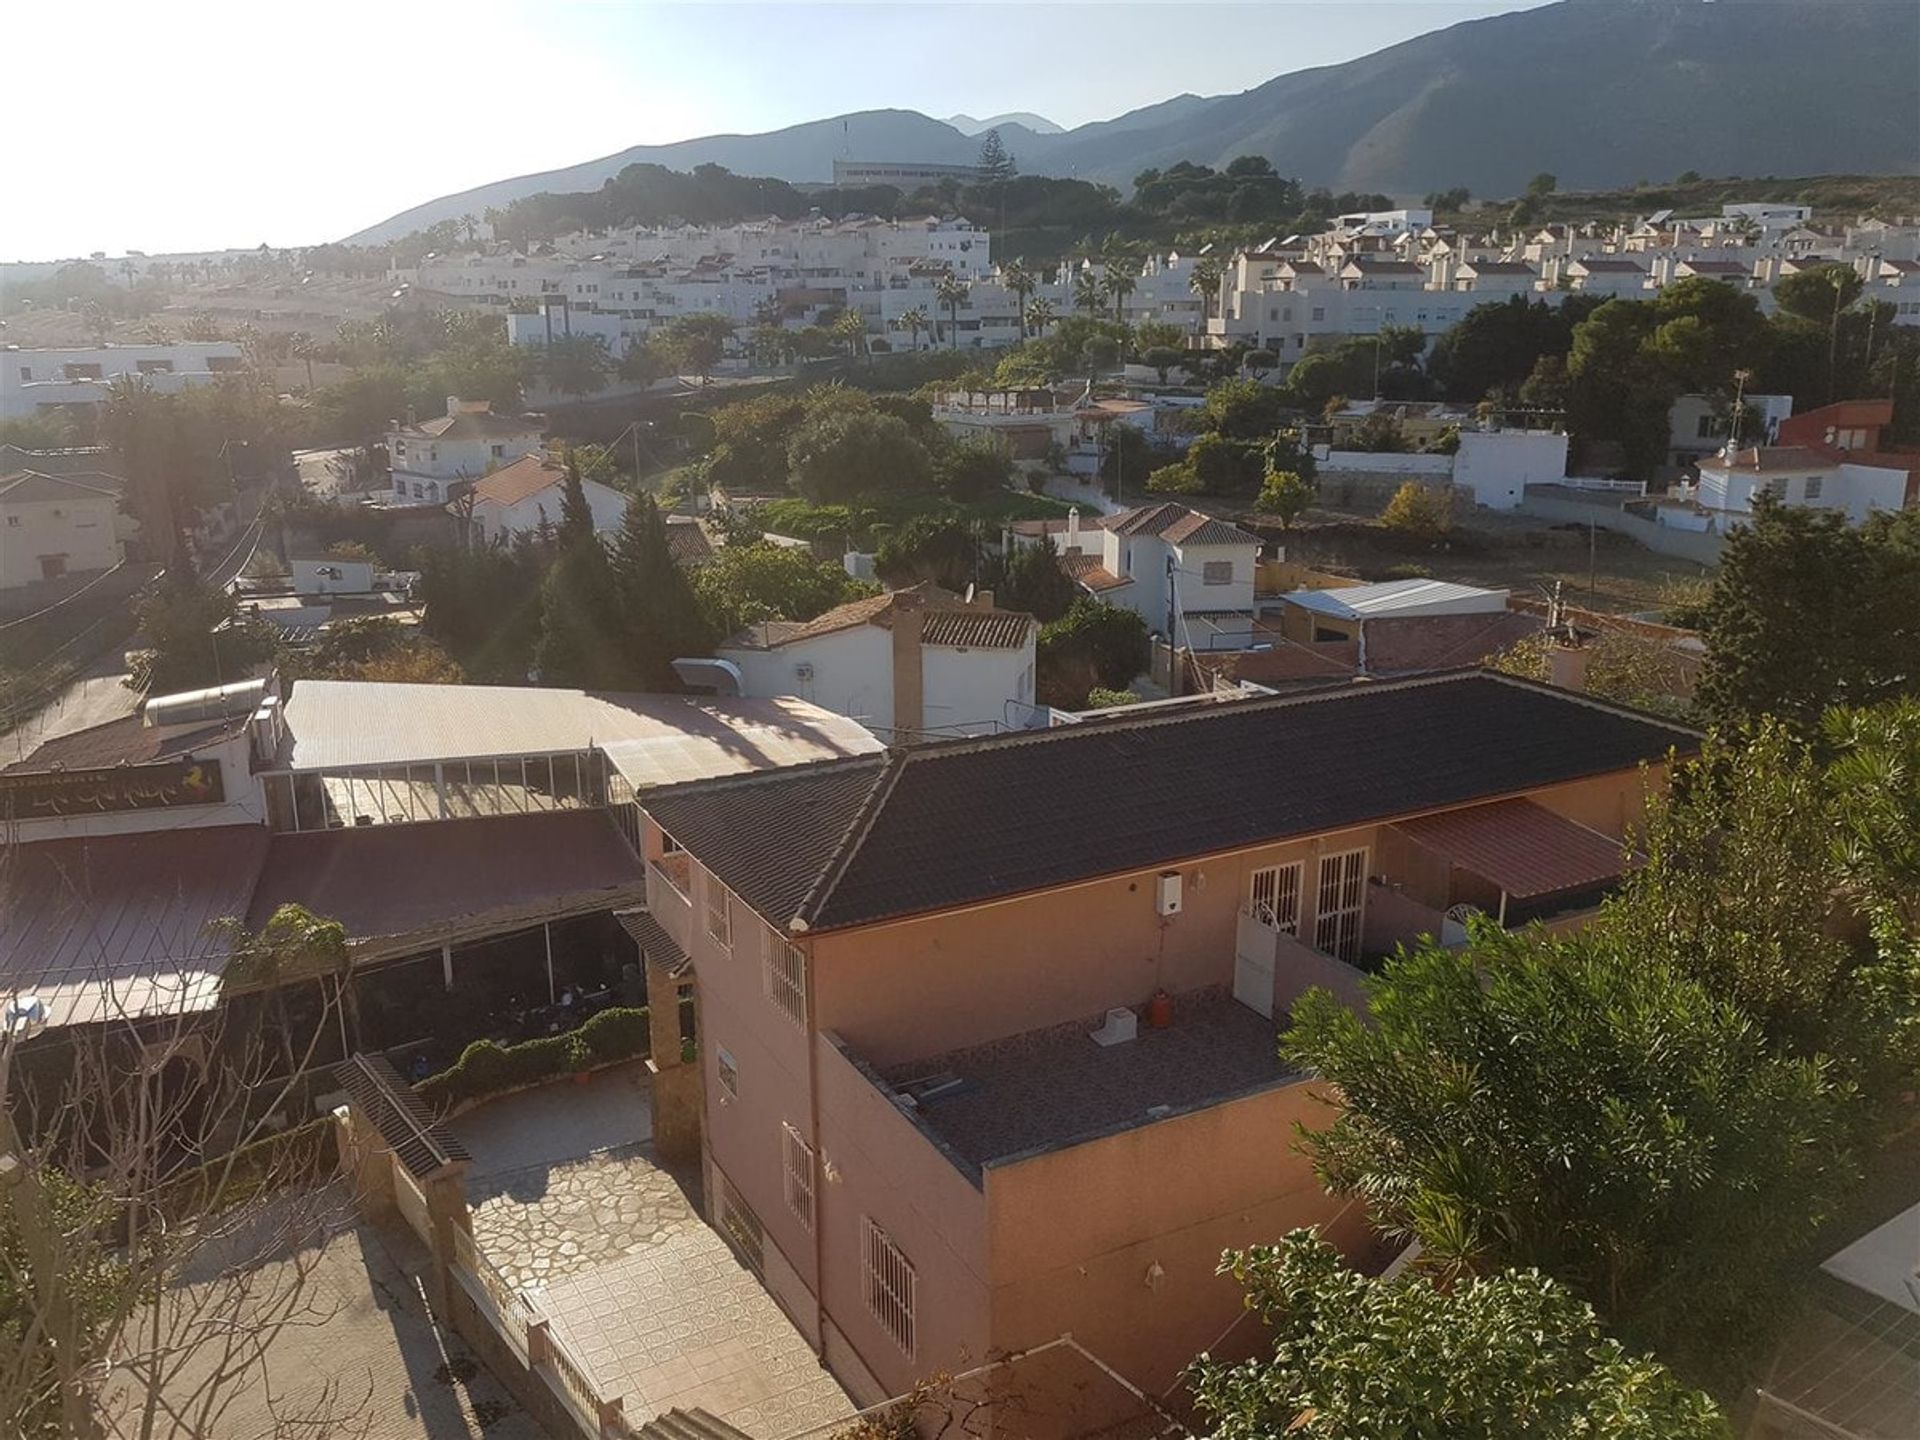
(915, 320)
(952, 293)
(851, 326)
(1118, 285)
(1040, 315)
(1205, 282)
(1086, 292)
(1021, 282)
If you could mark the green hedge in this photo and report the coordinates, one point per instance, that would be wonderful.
(485, 1068)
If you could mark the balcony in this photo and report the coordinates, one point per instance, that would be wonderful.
(670, 896)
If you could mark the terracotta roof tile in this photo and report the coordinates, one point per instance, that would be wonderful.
(522, 480)
(1087, 570)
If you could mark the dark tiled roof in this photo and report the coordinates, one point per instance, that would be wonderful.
(652, 938)
(952, 824)
(1148, 519)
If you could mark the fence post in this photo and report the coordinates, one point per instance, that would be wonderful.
(539, 1342)
(613, 1418)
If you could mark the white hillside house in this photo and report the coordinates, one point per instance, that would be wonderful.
(464, 444)
(914, 662)
(519, 498)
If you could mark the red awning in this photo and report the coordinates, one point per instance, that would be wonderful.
(1524, 848)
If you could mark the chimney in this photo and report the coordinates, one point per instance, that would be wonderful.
(909, 620)
(1567, 665)
(453, 405)
(1073, 530)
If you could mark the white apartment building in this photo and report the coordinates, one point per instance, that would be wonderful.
(41, 381)
(464, 444)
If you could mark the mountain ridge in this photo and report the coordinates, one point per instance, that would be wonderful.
(1600, 93)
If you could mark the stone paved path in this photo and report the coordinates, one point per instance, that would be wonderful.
(542, 1223)
(570, 1207)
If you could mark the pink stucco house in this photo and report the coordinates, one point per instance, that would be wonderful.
(910, 1128)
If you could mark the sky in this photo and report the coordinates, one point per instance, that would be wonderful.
(214, 125)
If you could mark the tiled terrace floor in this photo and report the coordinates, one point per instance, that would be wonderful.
(569, 1205)
(1056, 1086)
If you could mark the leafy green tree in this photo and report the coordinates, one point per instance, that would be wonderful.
(970, 470)
(698, 341)
(576, 364)
(660, 617)
(1100, 353)
(851, 327)
(1818, 294)
(196, 638)
(1614, 390)
(1419, 512)
(1092, 644)
(1808, 612)
(1162, 358)
(1511, 1356)
(848, 455)
(1031, 580)
(930, 547)
(1542, 185)
(1533, 1100)
(1285, 495)
(1242, 409)
(745, 584)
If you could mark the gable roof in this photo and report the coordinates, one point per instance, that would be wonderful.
(36, 485)
(474, 425)
(945, 825)
(948, 622)
(1178, 524)
(1088, 572)
(522, 480)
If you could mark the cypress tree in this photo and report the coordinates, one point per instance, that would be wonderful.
(659, 616)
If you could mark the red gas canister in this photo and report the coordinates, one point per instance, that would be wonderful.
(1160, 1010)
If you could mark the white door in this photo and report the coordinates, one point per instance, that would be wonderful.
(1253, 970)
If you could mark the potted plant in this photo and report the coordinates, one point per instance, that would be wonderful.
(580, 1060)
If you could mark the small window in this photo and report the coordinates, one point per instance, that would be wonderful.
(787, 979)
(222, 364)
(1217, 572)
(155, 367)
(729, 1073)
(719, 912)
(1319, 312)
(499, 452)
(1815, 484)
(1273, 895)
(888, 1280)
(81, 371)
(13, 520)
(26, 371)
(798, 1156)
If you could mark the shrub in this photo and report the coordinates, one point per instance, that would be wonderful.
(1420, 512)
(1101, 698)
(1179, 479)
(620, 1034)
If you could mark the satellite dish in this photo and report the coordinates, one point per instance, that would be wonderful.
(968, 598)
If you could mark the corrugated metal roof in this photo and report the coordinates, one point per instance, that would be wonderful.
(115, 926)
(1400, 597)
(654, 739)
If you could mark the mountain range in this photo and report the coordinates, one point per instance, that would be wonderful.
(1038, 124)
(1599, 93)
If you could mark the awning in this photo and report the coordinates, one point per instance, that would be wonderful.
(114, 927)
(403, 888)
(1524, 848)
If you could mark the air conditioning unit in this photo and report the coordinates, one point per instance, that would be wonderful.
(1166, 893)
(803, 671)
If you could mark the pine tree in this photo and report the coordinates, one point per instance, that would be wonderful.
(580, 642)
(995, 165)
(659, 616)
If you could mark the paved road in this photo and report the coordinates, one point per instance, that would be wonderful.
(96, 697)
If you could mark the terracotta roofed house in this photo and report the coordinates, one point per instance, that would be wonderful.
(518, 498)
(463, 444)
(944, 1116)
(912, 662)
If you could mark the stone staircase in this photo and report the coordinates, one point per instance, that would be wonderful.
(694, 1424)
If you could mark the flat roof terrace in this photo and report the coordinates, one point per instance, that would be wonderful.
(1050, 1088)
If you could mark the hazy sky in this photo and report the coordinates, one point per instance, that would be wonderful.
(179, 127)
